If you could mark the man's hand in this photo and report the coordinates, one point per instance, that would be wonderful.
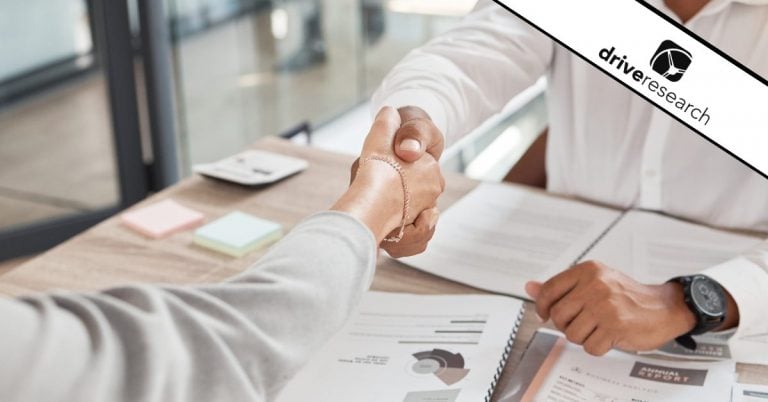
(601, 309)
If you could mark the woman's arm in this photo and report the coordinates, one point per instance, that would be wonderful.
(236, 341)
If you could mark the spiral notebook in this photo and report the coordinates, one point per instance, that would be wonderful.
(499, 236)
(413, 348)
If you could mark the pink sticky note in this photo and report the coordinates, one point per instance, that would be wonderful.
(162, 219)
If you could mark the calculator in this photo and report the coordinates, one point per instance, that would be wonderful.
(253, 168)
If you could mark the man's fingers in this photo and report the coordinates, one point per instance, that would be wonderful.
(416, 236)
(581, 328)
(427, 221)
(405, 248)
(565, 310)
(598, 343)
(555, 289)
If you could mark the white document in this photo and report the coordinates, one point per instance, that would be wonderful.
(749, 393)
(653, 248)
(558, 371)
(498, 237)
(412, 348)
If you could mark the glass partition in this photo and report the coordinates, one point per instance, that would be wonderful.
(248, 69)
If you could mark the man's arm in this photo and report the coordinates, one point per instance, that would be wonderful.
(467, 74)
(601, 308)
(449, 86)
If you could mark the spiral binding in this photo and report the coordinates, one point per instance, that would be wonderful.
(605, 233)
(505, 355)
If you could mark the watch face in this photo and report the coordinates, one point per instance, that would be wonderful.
(707, 296)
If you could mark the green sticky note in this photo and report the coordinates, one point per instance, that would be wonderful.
(237, 234)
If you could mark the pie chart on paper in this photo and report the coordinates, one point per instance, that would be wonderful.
(447, 366)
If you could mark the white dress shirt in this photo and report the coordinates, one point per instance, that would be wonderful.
(605, 143)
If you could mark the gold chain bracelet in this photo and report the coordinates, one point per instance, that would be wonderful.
(406, 193)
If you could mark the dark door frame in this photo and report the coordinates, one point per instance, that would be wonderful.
(113, 41)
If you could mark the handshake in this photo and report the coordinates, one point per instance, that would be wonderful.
(397, 180)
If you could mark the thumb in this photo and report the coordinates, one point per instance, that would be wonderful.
(533, 289)
(417, 135)
(409, 149)
(413, 139)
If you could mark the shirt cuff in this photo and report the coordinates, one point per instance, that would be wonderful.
(419, 98)
(747, 283)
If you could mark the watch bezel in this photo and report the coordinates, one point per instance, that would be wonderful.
(716, 288)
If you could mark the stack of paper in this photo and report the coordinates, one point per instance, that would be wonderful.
(237, 234)
(162, 219)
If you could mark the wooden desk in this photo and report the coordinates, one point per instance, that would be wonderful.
(109, 254)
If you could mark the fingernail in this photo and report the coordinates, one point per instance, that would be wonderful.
(533, 288)
(410, 144)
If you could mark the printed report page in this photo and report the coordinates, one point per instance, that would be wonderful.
(411, 348)
(498, 237)
(568, 374)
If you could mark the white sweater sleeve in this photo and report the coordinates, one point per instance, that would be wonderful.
(469, 73)
(236, 341)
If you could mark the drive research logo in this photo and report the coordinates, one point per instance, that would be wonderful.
(671, 61)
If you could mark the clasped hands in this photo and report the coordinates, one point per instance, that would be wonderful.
(594, 305)
(408, 138)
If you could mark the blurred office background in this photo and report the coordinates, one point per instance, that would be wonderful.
(80, 101)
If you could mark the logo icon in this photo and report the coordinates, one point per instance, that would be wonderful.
(671, 61)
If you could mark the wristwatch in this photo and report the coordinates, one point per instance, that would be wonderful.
(706, 299)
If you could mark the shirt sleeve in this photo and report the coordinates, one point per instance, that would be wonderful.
(236, 341)
(746, 279)
(469, 73)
